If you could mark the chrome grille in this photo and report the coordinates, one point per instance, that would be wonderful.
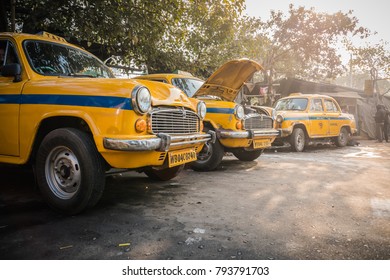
(256, 121)
(174, 121)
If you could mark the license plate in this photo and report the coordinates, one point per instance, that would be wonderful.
(258, 144)
(181, 157)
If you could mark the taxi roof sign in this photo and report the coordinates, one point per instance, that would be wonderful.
(51, 36)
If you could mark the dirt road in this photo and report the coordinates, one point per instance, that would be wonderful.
(325, 203)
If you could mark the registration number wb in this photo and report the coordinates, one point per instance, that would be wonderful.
(180, 157)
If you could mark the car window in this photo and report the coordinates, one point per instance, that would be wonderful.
(291, 104)
(188, 85)
(316, 105)
(7, 53)
(52, 59)
(330, 106)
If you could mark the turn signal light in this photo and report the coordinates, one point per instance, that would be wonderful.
(239, 125)
(140, 125)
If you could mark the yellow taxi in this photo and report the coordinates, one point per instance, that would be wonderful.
(244, 131)
(62, 110)
(306, 118)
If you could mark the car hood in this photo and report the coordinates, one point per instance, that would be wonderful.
(226, 81)
(167, 95)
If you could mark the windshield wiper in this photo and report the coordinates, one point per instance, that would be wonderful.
(80, 75)
(76, 75)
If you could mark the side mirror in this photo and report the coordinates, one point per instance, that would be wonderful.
(12, 70)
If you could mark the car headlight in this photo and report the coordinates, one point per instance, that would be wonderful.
(279, 118)
(141, 99)
(201, 109)
(239, 112)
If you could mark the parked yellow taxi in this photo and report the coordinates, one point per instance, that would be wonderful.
(62, 110)
(243, 130)
(306, 118)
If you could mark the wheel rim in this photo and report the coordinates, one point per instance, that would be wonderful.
(63, 174)
(343, 137)
(205, 153)
(300, 141)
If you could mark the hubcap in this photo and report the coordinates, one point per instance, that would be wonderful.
(205, 153)
(300, 141)
(63, 172)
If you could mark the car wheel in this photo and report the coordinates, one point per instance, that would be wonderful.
(244, 155)
(69, 171)
(209, 157)
(163, 174)
(342, 139)
(298, 140)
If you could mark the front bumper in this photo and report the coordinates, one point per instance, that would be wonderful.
(248, 134)
(284, 132)
(162, 142)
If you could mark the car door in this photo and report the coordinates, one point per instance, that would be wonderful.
(333, 114)
(319, 124)
(10, 93)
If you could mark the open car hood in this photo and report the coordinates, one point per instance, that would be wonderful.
(226, 81)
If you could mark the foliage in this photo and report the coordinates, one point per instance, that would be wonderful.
(372, 58)
(127, 27)
(194, 35)
(304, 44)
(202, 40)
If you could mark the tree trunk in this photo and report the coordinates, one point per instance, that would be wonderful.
(3, 17)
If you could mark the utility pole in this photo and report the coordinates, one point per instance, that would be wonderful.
(350, 71)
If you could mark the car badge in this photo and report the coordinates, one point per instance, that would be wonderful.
(184, 113)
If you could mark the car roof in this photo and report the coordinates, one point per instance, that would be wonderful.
(167, 76)
(307, 95)
(42, 36)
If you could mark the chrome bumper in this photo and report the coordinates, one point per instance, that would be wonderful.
(284, 132)
(249, 134)
(162, 142)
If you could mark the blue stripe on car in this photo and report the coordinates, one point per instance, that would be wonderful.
(220, 110)
(68, 100)
(315, 118)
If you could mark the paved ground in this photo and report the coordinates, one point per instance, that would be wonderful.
(325, 203)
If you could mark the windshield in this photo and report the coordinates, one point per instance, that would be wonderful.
(189, 86)
(291, 104)
(51, 59)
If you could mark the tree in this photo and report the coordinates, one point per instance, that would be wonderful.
(202, 40)
(304, 43)
(194, 35)
(372, 58)
(129, 28)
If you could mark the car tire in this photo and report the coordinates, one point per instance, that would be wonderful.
(343, 138)
(209, 157)
(298, 140)
(244, 155)
(163, 174)
(69, 171)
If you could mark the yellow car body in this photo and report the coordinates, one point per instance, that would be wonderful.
(36, 98)
(305, 118)
(250, 133)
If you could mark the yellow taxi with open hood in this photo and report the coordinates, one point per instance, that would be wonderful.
(243, 130)
(64, 112)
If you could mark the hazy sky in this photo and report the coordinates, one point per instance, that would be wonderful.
(372, 14)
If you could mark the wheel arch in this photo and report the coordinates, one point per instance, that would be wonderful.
(303, 127)
(51, 123)
(347, 127)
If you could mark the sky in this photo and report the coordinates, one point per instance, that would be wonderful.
(372, 14)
